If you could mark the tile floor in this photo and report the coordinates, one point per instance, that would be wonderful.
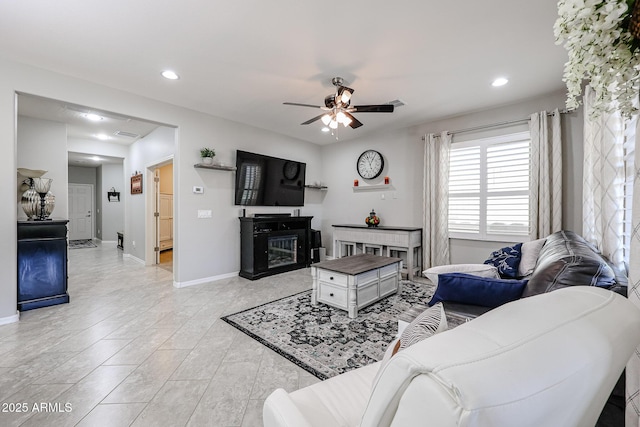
(130, 349)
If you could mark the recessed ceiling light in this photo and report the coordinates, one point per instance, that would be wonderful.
(102, 137)
(325, 129)
(171, 75)
(500, 81)
(93, 117)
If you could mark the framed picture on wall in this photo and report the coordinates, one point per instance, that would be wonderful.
(136, 184)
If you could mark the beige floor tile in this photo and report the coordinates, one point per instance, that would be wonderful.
(173, 405)
(20, 406)
(253, 414)
(112, 415)
(81, 398)
(148, 378)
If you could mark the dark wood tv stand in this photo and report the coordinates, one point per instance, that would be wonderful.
(274, 244)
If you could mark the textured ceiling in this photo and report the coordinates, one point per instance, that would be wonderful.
(241, 60)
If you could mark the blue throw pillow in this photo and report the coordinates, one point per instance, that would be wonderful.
(507, 260)
(469, 289)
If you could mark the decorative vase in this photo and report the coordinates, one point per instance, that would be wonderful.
(372, 220)
(30, 200)
(49, 204)
(207, 160)
(42, 186)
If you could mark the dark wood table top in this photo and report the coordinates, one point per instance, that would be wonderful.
(356, 264)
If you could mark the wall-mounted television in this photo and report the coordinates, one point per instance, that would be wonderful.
(268, 181)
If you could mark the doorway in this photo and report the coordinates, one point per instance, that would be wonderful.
(163, 215)
(80, 212)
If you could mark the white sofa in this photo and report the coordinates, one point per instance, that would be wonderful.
(546, 360)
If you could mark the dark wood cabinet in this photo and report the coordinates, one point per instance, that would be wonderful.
(42, 264)
(274, 244)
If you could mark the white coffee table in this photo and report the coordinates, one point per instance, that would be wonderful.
(353, 282)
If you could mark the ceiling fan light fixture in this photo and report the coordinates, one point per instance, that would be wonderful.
(344, 94)
(326, 119)
(341, 117)
(333, 124)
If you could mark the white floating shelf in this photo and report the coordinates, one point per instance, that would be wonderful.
(387, 187)
(317, 187)
(216, 167)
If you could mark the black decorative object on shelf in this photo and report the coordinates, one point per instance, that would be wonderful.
(372, 220)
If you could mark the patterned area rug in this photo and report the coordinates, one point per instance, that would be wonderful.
(81, 244)
(322, 339)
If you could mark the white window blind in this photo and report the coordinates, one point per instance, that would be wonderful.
(489, 187)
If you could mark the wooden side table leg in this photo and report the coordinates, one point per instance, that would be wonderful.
(352, 298)
(314, 286)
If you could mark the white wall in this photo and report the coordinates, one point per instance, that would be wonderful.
(144, 153)
(111, 213)
(42, 144)
(403, 153)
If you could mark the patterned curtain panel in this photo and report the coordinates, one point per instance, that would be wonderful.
(545, 176)
(633, 368)
(604, 181)
(435, 239)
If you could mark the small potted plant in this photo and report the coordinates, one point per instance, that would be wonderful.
(207, 155)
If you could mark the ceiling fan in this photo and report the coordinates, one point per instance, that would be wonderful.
(338, 109)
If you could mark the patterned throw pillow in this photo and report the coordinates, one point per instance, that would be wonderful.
(430, 322)
(506, 260)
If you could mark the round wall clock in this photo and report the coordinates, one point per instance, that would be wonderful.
(291, 170)
(370, 164)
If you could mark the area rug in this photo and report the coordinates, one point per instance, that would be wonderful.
(322, 339)
(81, 244)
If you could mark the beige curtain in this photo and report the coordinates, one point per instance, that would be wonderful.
(435, 239)
(633, 367)
(604, 181)
(545, 176)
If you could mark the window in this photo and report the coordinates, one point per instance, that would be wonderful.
(489, 188)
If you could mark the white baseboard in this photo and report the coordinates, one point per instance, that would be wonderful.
(204, 280)
(136, 259)
(108, 242)
(10, 319)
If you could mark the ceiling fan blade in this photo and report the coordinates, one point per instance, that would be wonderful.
(301, 105)
(355, 123)
(384, 108)
(312, 120)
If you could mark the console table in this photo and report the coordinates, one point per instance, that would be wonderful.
(390, 241)
(354, 282)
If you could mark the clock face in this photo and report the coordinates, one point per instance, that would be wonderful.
(291, 170)
(370, 164)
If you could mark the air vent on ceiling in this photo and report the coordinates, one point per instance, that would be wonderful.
(397, 103)
(127, 134)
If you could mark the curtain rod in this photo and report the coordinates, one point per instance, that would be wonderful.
(493, 125)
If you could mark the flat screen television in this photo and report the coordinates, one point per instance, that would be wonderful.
(268, 181)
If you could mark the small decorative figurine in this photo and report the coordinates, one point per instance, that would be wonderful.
(372, 220)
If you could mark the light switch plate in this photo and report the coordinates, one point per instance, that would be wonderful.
(198, 190)
(202, 213)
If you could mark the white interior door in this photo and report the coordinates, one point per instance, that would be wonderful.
(80, 211)
(166, 221)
